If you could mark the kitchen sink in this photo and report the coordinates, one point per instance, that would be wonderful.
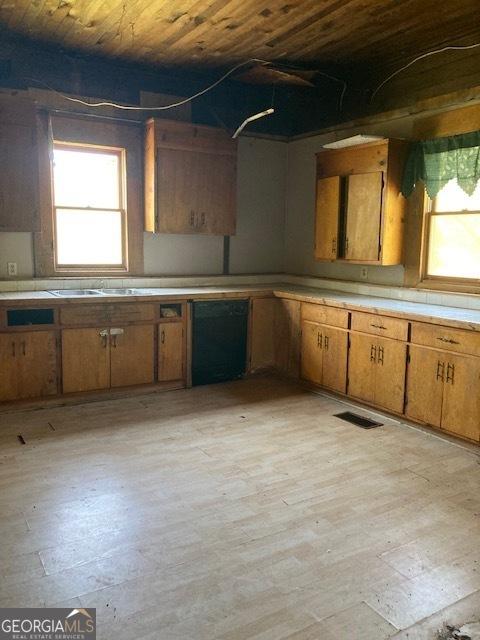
(121, 292)
(65, 293)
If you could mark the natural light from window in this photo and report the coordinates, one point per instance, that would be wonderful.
(89, 215)
(454, 234)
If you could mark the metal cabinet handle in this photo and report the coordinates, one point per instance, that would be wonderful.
(450, 373)
(373, 353)
(202, 220)
(325, 342)
(103, 333)
(24, 348)
(440, 370)
(192, 218)
(162, 336)
(378, 326)
(381, 353)
(14, 349)
(334, 246)
(113, 340)
(449, 340)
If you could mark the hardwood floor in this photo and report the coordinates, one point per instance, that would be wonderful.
(234, 512)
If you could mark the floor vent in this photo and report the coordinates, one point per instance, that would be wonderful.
(360, 421)
(21, 439)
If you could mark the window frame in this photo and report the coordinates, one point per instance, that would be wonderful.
(447, 283)
(122, 187)
(100, 131)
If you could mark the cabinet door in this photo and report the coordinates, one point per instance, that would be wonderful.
(425, 376)
(170, 351)
(364, 206)
(177, 177)
(196, 192)
(327, 211)
(216, 205)
(29, 365)
(312, 352)
(335, 354)
(391, 362)
(262, 335)
(85, 359)
(287, 336)
(132, 355)
(461, 396)
(362, 367)
(8, 370)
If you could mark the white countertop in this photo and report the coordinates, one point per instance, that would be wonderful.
(438, 314)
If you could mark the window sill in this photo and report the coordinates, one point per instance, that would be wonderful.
(448, 286)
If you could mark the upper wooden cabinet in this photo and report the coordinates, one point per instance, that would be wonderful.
(359, 209)
(19, 161)
(190, 179)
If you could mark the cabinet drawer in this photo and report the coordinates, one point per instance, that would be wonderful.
(107, 313)
(380, 325)
(325, 315)
(445, 338)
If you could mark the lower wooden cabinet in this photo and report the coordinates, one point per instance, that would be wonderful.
(28, 365)
(376, 371)
(443, 391)
(275, 335)
(132, 355)
(170, 351)
(85, 359)
(99, 358)
(324, 354)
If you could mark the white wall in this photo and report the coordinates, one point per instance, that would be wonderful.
(16, 247)
(300, 206)
(258, 246)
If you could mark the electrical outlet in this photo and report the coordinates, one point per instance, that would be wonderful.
(11, 269)
(364, 273)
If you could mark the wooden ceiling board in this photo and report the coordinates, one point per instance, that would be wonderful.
(220, 33)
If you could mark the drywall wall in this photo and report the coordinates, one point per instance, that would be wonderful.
(16, 247)
(300, 206)
(258, 246)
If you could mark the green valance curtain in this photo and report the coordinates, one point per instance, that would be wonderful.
(436, 162)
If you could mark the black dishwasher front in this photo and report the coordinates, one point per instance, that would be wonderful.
(219, 340)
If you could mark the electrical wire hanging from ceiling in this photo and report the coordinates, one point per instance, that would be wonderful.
(421, 57)
(162, 108)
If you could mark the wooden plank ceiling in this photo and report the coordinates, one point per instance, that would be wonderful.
(219, 33)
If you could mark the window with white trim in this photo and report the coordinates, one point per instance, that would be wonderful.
(90, 217)
(453, 235)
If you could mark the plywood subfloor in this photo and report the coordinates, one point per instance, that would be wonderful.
(234, 512)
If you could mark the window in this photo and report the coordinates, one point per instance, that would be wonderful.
(90, 226)
(453, 235)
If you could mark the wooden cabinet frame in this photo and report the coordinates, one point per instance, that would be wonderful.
(190, 179)
(374, 169)
(85, 132)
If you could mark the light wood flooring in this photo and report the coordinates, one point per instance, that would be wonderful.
(234, 512)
